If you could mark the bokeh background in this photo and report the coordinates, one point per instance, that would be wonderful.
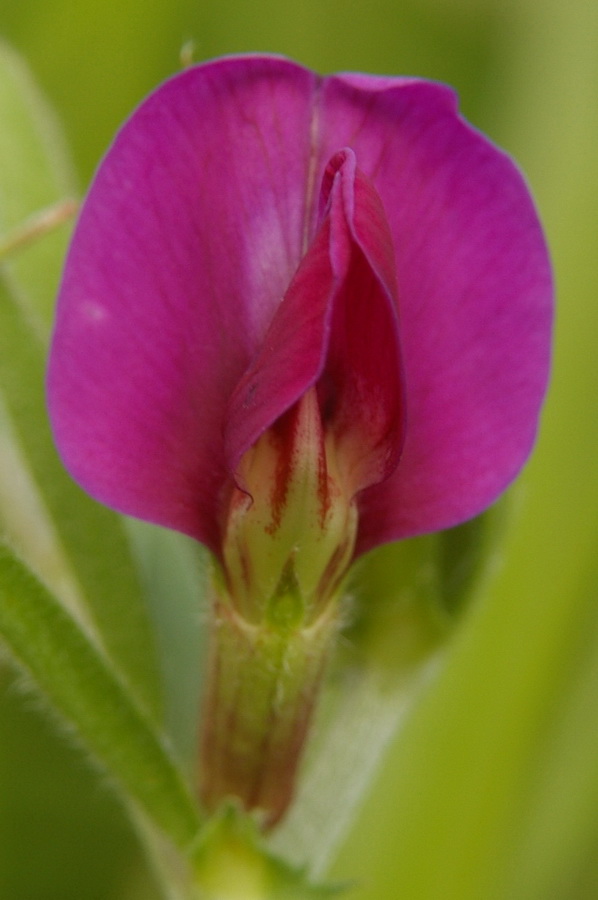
(490, 790)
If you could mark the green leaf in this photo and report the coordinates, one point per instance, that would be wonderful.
(51, 803)
(493, 787)
(78, 681)
(557, 818)
(404, 598)
(34, 173)
(92, 536)
(175, 575)
(466, 554)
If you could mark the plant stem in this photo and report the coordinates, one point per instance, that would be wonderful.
(262, 687)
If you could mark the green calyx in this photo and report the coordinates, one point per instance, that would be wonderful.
(231, 863)
(292, 523)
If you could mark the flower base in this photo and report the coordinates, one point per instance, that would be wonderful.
(262, 687)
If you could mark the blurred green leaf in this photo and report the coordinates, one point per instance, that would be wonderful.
(80, 684)
(468, 554)
(554, 854)
(34, 172)
(52, 802)
(492, 788)
(176, 584)
(401, 609)
(98, 60)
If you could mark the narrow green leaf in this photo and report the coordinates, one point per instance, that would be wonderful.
(93, 537)
(27, 526)
(35, 177)
(81, 686)
(175, 575)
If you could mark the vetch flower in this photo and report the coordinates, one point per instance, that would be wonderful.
(300, 317)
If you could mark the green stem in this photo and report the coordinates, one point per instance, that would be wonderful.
(231, 863)
(36, 226)
(262, 687)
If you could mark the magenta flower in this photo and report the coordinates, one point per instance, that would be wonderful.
(286, 291)
(416, 286)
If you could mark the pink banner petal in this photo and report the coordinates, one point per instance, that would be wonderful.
(187, 241)
(475, 295)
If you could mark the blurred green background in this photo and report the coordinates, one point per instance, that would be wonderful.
(490, 790)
